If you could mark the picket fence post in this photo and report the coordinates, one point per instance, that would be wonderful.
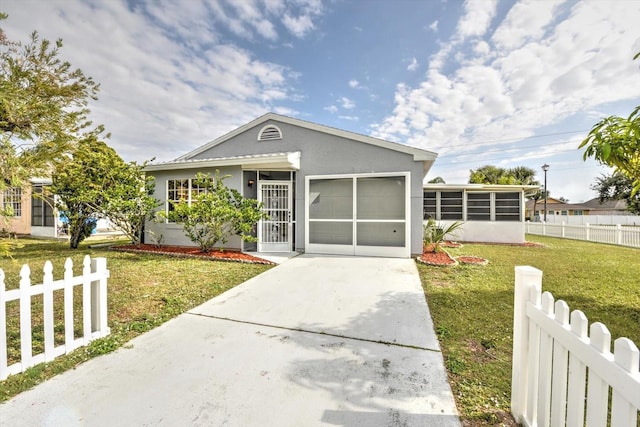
(68, 307)
(99, 297)
(47, 300)
(627, 356)
(25, 315)
(3, 327)
(619, 234)
(587, 232)
(527, 278)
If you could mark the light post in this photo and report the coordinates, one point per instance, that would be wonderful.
(545, 168)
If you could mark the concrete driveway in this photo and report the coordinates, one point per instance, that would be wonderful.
(316, 341)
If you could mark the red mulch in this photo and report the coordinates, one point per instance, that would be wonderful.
(193, 252)
(437, 258)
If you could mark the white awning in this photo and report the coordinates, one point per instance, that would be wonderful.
(280, 161)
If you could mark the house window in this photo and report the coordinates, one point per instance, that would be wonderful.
(442, 205)
(269, 133)
(430, 203)
(451, 205)
(479, 206)
(507, 206)
(12, 201)
(578, 212)
(564, 213)
(41, 208)
(183, 190)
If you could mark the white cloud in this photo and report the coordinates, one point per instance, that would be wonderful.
(332, 109)
(165, 87)
(499, 86)
(477, 17)
(413, 65)
(346, 103)
(434, 26)
(299, 26)
(527, 20)
(350, 118)
(354, 84)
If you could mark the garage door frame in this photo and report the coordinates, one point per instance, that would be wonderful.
(353, 248)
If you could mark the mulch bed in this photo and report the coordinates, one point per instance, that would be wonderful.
(440, 259)
(193, 252)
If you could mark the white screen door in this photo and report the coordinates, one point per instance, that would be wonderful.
(274, 232)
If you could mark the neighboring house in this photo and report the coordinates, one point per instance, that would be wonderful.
(610, 207)
(33, 210)
(328, 191)
(491, 213)
(555, 207)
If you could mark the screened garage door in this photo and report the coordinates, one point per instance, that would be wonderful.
(364, 214)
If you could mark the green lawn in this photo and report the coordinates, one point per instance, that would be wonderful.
(143, 292)
(472, 309)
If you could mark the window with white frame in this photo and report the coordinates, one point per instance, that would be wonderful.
(183, 190)
(12, 201)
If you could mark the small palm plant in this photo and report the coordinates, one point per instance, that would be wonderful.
(434, 234)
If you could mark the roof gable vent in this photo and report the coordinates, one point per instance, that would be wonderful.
(269, 133)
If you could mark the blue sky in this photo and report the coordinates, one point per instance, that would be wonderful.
(479, 82)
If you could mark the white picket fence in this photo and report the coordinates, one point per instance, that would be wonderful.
(633, 220)
(94, 311)
(552, 356)
(612, 234)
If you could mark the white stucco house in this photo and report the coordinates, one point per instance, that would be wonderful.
(329, 191)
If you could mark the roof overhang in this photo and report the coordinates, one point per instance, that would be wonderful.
(280, 161)
(527, 189)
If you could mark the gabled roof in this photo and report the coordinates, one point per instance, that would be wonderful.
(418, 154)
(557, 206)
(610, 205)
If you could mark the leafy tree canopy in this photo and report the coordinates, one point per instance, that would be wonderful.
(615, 141)
(43, 107)
(617, 186)
(96, 182)
(489, 174)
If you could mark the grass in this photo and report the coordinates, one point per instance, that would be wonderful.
(144, 291)
(472, 309)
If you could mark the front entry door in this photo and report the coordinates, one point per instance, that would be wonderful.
(274, 232)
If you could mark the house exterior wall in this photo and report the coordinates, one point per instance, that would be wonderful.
(174, 233)
(326, 154)
(489, 231)
(20, 224)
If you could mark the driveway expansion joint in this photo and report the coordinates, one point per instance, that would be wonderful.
(328, 334)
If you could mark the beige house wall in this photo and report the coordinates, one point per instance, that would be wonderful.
(22, 223)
